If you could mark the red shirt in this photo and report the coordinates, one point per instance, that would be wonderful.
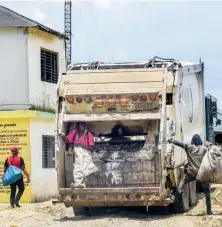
(86, 139)
(14, 161)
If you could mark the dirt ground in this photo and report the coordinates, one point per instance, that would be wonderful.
(46, 214)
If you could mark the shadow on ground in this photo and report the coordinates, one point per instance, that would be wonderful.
(132, 213)
(203, 214)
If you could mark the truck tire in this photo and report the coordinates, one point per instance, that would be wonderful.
(193, 193)
(160, 210)
(89, 211)
(182, 205)
(81, 211)
(97, 211)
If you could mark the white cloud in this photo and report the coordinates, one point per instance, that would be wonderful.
(119, 55)
(104, 4)
(29, 11)
(38, 15)
(100, 4)
(33, 13)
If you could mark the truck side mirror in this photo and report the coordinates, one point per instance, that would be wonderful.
(218, 122)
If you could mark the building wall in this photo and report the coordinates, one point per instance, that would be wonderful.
(13, 70)
(43, 92)
(20, 67)
(44, 181)
(14, 132)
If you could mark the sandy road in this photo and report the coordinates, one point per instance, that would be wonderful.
(46, 214)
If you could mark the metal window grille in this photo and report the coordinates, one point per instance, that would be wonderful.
(49, 66)
(48, 152)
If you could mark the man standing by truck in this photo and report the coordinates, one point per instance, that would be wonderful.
(82, 142)
(195, 153)
(17, 161)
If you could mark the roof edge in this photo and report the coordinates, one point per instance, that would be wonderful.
(37, 24)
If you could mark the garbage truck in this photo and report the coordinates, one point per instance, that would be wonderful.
(153, 101)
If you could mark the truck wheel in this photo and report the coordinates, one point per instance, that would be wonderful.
(182, 205)
(97, 211)
(89, 211)
(160, 210)
(193, 193)
(81, 211)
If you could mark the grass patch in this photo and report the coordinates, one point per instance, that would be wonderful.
(42, 108)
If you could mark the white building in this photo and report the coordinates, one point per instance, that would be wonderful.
(32, 56)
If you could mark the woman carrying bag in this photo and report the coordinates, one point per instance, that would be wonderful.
(14, 165)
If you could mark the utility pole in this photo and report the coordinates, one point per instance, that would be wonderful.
(68, 29)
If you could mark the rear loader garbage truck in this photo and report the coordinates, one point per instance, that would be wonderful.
(151, 102)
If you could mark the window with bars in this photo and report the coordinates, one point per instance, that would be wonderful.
(48, 152)
(49, 66)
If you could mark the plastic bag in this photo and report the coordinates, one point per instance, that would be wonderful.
(211, 167)
(11, 175)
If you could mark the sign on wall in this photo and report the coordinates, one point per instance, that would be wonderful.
(14, 133)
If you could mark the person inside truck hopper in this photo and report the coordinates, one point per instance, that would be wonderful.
(118, 133)
(195, 153)
(82, 142)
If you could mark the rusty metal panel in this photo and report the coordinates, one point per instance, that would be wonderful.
(108, 77)
(125, 173)
(113, 88)
(109, 103)
(130, 196)
(121, 168)
(106, 191)
(69, 159)
(60, 160)
(112, 116)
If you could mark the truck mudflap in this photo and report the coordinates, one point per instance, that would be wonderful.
(92, 197)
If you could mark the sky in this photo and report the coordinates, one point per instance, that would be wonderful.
(110, 30)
